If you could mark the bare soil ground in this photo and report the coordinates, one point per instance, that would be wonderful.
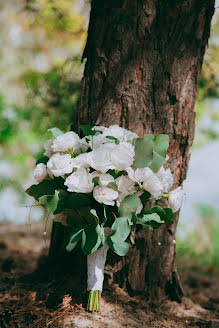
(25, 298)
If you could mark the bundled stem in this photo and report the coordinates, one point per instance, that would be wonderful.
(94, 297)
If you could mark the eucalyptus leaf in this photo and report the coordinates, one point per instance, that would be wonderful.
(50, 202)
(165, 214)
(161, 144)
(143, 152)
(129, 205)
(119, 248)
(75, 238)
(56, 132)
(151, 219)
(88, 130)
(43, 160)
(96, 181)
(73, 200)
(91, 239)
(120, 230)
(157, 162)
(46, 187)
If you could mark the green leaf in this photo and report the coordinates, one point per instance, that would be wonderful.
(87, 130)
(151, 219)
(76, 235)
(169, 213)
(43, 160)
(143, 152)
(165, 214)
(129, 205)
(161, 144)
(145, 197)
(113, 186)
(96, 181)
(92, 239)
(120, 230)
(45, 187)
(157, 162)
(56, 132)
(119, 248)
(113, 138)
(72, 201)
(50, 202)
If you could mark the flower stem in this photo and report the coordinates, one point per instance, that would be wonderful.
(93, 303)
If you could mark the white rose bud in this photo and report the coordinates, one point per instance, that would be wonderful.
(80, 181)
(47, 146)
(40, 172)
(175, 199)
(59, 164)
(105, 178)
(65, 142)
(105, 195)
(122, 155)
(166, 178)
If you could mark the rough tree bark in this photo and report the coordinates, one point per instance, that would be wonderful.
(143, 61)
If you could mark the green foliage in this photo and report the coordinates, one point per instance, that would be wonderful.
(50, 202)
(165, 215)
(45, 187)
(56, 132)
(150, 151)
(143, 152)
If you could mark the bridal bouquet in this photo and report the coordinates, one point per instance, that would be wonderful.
(104, 181)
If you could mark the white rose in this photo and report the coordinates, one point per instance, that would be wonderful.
(47, 146)
(80, 161)
(175, 199)
(99, 128)
(166, 178)
(139, 175)
(152, 184)
(105, 195)
(96, 141)
(105, 178)
(125, 187)
(80, 181)
(59, 164)
(122, 155)
(120, 133)
(40, 172)
(64, 142)
(100, 160)
(83, 145)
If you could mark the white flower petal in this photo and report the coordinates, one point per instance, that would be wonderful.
(175, 199)
(80, 181)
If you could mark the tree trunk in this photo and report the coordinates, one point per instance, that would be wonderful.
(143, 64)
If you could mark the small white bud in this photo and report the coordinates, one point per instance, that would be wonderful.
(174, 241)
(44, 233)
(158, 243)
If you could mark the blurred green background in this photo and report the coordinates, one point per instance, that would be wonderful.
(41, 46)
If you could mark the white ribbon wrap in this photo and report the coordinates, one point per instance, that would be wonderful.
(95, 266)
